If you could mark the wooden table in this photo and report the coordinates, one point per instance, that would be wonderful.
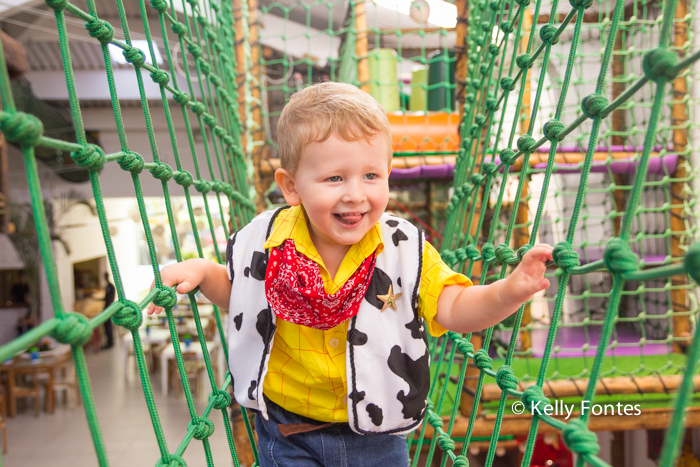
(47, 363)
(168, 353)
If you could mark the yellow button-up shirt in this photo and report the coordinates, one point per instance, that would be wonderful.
(306, 373)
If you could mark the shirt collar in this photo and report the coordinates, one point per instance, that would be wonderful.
(292, 224)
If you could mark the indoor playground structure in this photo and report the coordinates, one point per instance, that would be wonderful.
(514, 122)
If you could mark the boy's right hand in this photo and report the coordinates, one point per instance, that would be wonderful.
(187, 275)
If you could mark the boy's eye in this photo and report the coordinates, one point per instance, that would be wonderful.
(334, 178)
(371, 176)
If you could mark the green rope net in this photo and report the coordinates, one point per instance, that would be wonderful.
(573, 127)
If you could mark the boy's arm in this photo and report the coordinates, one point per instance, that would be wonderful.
(478, 307)
(211, 278)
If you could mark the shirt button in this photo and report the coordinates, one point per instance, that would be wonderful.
(333, 343)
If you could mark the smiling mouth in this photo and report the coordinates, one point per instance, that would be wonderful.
(350, 218)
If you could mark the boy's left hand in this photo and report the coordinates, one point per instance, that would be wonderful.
(528, 277)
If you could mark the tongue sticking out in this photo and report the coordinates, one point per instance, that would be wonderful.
(349, 218)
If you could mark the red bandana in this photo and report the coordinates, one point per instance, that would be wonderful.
(294, 289)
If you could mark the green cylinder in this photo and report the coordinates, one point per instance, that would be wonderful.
(383, 79)
(441, 80)
(419, 89)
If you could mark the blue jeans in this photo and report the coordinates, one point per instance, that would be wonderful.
(337, 446)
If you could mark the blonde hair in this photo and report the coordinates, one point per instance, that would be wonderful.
(324, 109)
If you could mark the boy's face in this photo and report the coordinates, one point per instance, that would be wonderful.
(343, 187)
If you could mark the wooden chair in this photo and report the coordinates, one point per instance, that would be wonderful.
(194, 368)
(26, 385)
(130, 352)
(210, 330)
(66, 381)
(3, 424)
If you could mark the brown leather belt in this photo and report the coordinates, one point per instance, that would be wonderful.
(288, 429)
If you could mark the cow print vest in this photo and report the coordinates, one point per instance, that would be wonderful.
(388, 364)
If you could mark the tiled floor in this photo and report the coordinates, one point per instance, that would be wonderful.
(63, 439)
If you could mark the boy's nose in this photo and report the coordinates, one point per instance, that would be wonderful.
(354, 193)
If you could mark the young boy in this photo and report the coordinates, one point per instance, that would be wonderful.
(329, 299)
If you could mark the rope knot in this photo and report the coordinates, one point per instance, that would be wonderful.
(129, 316)
(73, 329)
(482, 360)
(692, 262)
(198, 108)
(162, 172)
(505, 26)
(160, 77)
(205, 68)
(100, 30)
(179, 29)
(469, 98)
(464, 346)
(525, 143)
(473, 252)
(195, 50)
(461, 254)
(524, 61)
(488, 252)
(460, 461)
(534, 397)
(523, 2)
(229, 190)
(202, 186)
(218, 186)
(508, 156)
(171, 460)
(619, 257)
(215, 80)
(203, 427)
(523, 250)
(579, 439)
(450, 257)
(657, 63)
(547, 34)
(434, 420)
(131, 162)
(219, 131)
(480, 119)
(166, 298)
(21, 128)
(507, 83)
(593, 104)
(552, 129)
(134, 56)
(57, 5)
(493, 49)
(476, 179)
(504, 254)
(489, 168)
(581, 3)
(506, 379)
(565, 257)
(492, 103)
(89, 157)
(159, 5)
(462, 190)
(209, 120)
(446, 443)
(223, 399)
(181, 97)
(183, 178)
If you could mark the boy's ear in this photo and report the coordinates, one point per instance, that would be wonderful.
(286, 183)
